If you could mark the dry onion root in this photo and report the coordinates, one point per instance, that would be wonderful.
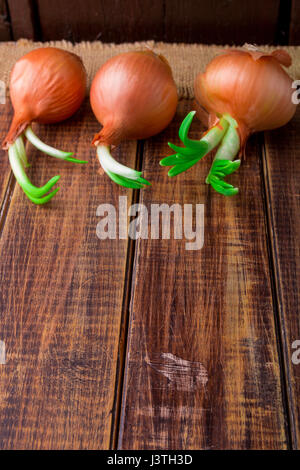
(243, 91)
(47, 85)
(133, 96)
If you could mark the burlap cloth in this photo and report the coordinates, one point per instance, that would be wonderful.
(186, 60)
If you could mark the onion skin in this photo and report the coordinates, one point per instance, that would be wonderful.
(250, 86)
(133, 96)
(47, 85)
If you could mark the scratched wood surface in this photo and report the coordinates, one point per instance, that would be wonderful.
(61, 303)
(144, 344)
(202, 366)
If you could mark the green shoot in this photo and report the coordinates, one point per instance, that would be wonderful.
(119, 173)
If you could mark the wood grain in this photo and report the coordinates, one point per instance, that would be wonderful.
(22, 19)
(202, 367)
(61, 302)
(226, 22)
(282, 172)
(214, 22)
(105, 20)
(5, 34)
(295, 23)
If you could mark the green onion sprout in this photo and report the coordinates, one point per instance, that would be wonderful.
(18, 162)
(224, 135)
(119, 173)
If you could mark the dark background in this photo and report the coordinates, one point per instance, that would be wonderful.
(204, 21)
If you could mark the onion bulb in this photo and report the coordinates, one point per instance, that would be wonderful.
(243, 91)
(133, 96)
(47, 85)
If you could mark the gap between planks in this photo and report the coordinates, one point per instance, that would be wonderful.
(280, 329)
(5, 205)
(127, 293)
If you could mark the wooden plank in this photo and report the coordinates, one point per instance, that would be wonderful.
(215, 22)
(282, 173)
(106, 20)
(22, 19)
(5, 34)
(234, 22)
(295, 23)
(203, 312)
(61, 302)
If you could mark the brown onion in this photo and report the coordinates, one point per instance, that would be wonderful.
(133, 96)
(242, 91)
(47, 85)
(251, 86)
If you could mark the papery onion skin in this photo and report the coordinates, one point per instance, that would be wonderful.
(47, 85)
(251, 86)
(133, 96)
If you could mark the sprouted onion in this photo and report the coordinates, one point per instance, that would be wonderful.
(47, 85)
(133, 96)
(243, 91)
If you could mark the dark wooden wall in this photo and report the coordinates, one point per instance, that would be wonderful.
(209, 22)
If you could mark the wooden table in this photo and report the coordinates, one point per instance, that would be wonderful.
(143, 344)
